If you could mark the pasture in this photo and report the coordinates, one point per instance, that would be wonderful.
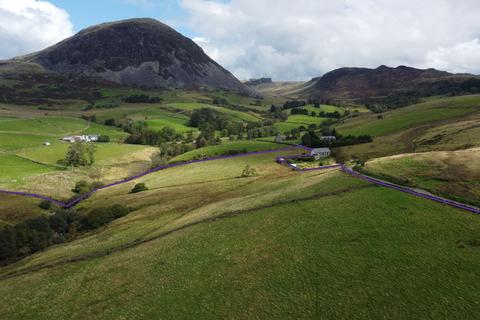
(452, 174)
(298, 242)
(236, 146)
(412, 116)
(106, 152)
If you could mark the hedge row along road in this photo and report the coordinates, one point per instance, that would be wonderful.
(281, 160)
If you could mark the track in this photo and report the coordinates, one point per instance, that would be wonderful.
(281, 160)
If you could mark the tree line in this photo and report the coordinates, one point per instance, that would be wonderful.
(38, 233)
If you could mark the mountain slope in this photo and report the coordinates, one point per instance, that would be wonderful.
(362, 84)
(143, 52)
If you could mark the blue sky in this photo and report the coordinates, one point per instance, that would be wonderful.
(84, 13)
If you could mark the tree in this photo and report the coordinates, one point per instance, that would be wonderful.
(90, 150)
(103, 138)
(76, 155)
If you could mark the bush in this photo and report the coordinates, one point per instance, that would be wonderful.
(139, 187)
(103, 138)
(248, 172)
(45, 205)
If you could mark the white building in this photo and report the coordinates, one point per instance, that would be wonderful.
(319, 153)
(46, 143)
(328, 138)
(82, 138)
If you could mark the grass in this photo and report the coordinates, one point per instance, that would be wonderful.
(325, 257)
(233, 114)
(453, 174)
(297, 120)
(52, 154)
(210, 151)
(50, 125)
(412, 116)
(15, 141)
(15, 168)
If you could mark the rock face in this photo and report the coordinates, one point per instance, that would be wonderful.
(142, 52)
(362, 84)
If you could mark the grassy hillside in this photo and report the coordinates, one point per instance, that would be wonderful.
(236, 146)
(438, 124)
(280, 245)
(409, 117)
(453, 174)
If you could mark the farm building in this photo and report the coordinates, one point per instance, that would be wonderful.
(83, 138)
(279, 138)
(319, 153)
(328, 138)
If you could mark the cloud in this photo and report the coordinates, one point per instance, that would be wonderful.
(301, 39)
(30, 25)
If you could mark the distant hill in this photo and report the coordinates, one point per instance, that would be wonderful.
(388, 85)
(138, 52)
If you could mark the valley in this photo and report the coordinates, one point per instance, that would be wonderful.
(149, 182)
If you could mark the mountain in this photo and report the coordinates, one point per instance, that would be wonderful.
(384, 83)
(140, 52)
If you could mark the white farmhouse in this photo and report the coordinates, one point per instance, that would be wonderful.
(319, 153)
(328, 138)
(82, 138)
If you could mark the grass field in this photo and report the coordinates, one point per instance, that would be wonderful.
(324, 108)
(236, 115)
(211, 151)
(409, 117)
(14, 168)
(297, 120)
(264, 256)
(453, 174)
(105, 152)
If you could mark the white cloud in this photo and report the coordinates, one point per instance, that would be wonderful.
(30, 25)
(304, 38)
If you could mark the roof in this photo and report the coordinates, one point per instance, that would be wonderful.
(320, 150)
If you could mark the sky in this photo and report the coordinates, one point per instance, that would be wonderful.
(282, 39)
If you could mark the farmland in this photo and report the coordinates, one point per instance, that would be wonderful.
(278, 243)
(291, 253)
(453, 174)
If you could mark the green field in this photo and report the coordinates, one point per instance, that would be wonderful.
(325, 108)
(412, 116)
(210, 151)
(14, 141)
(235, 115)
(297, 120)
(16, 168)
(52, 154)
(452, 174)
(280, 245)
(46, 126)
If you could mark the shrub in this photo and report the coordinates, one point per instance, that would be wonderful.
(248, 172)
(139, 187)
(103, 138)
(45, 205)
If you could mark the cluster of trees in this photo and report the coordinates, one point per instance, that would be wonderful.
(301, 111)
(141, 98)
(141, 134)
(80, 154)
(82, 187)
(38, 233)
(334, 115)
(261, 132)
(294, 104)
(110, 105)
(312, 140)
